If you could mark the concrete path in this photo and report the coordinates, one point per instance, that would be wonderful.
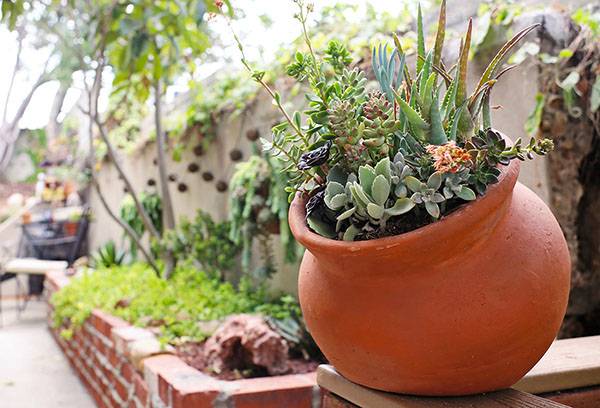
(33, 371)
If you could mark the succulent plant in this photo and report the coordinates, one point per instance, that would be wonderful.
(399, 157)
(369, 200)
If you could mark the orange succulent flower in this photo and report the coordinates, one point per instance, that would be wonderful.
(449, 157)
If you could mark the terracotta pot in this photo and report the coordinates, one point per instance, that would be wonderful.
(465, 305)
(70, 228)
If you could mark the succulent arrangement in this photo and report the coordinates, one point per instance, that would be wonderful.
(384, 157)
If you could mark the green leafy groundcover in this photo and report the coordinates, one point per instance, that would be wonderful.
(174, 306)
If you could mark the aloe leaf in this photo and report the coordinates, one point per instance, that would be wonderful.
(454, 124)
(427, 94)
(380, 190)
(402, 206)
(510, 44)
(448, 102)
(486, 112)
(461, 90)
(425, 71)
(407, 77)
(438, 135)
(420, 41)
(439, 37)
(412, 115)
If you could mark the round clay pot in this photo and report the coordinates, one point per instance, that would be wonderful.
(465, 305)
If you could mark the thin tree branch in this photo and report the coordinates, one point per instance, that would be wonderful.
(21, 37)
(113, 156)
(128, 230)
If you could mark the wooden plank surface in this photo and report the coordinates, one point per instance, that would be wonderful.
(330, 380)
(568, 364)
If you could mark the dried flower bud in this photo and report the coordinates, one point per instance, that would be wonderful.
(314, 202)
(315, 157)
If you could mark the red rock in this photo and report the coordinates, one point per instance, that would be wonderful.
(243, 341)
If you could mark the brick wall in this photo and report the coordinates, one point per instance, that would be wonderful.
(125, 366)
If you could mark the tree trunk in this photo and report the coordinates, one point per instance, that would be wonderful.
(167, 204)
(53, 127)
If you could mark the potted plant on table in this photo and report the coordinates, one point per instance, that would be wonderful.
(429, 269)
(71, 225)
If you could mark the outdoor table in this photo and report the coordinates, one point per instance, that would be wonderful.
(569, 373)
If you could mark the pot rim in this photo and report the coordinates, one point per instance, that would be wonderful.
(468, 215)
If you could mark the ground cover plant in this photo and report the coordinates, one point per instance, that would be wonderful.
(173, 307)
(374, 161)
(185, 311)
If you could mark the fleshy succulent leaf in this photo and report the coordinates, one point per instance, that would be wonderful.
(414, 184)
(466, 194)
(433, 209)
(402, 206)
(435, 180)
(380, 190)
(375, 210)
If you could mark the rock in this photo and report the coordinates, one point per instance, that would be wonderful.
(244, 341)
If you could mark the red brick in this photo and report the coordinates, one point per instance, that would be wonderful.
(127, 371)
(195, 399)
(121, 390)
(105, 322)
(113, 358)
(188, 386)
(288, 391)
(141, 389)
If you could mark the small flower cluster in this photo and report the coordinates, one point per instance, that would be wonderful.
(448, 158)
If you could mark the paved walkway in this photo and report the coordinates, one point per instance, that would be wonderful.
(33, 371)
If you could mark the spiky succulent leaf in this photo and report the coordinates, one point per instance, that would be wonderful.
(420, 40)
(504, 50)
(440, 34)
(438, 135)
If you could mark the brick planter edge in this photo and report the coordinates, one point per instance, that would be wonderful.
(125, 366)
